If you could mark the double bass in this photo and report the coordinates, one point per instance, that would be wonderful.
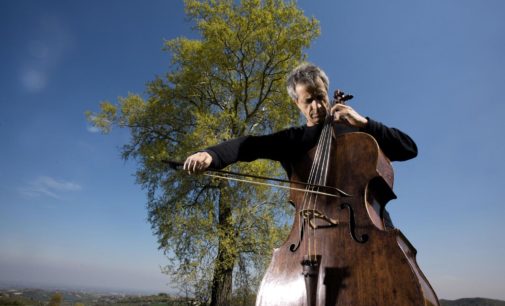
(339, 251)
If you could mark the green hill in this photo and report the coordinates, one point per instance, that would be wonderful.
(472, 302)
(40, 297)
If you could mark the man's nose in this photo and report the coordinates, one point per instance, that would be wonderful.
(316, 103)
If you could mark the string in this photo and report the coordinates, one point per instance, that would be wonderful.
(323, 173)
(318, 173)
(318, 176)
(307, 198)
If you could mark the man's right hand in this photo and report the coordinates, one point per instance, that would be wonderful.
(197, 162)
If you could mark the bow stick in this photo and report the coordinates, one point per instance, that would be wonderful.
(339, 193)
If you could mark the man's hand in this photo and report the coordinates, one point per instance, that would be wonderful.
(197, 162)
(345, 114)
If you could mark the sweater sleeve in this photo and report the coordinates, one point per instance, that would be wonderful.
(397, 145)
(249, 148)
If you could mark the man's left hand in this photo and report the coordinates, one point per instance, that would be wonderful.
(345, 114)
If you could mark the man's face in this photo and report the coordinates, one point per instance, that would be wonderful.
(312, 102)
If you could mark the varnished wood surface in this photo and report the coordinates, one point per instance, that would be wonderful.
(381, 271)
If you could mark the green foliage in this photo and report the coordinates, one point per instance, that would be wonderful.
(227, 84)
(472, 302)
(13, 301)
(56, 299)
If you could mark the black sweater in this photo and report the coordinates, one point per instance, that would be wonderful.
(287, 144)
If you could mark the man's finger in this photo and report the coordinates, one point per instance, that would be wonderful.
(192, 166)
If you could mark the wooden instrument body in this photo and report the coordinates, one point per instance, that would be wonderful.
(381, 271)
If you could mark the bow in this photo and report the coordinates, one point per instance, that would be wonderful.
(229, 175)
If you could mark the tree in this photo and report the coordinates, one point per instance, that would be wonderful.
(56, 299)
(228, 84)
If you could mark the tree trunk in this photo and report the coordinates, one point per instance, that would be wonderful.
(225, 261)
(221, 285)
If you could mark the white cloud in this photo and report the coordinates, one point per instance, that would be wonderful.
(44, 49)
(92, 129)
(47, 186)
(33, 79)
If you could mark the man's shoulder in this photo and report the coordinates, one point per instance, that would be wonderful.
(295, 129)
(293, 132)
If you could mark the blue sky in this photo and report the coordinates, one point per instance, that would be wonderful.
(71, 213)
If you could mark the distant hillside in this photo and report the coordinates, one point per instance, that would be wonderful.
(472, 302)
(41, 297)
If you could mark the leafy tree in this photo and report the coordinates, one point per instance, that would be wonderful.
(227, 84)
(12, 301)
(56, 299)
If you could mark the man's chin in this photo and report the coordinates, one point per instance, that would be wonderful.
(316, 120)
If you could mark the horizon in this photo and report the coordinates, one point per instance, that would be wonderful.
(88, 289)
(127, 292)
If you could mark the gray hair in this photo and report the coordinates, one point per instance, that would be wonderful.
(307, 74)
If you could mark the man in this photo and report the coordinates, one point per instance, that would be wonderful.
(307, 85)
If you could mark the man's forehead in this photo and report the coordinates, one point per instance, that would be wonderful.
(311, 87)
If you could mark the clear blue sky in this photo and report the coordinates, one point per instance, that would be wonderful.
(71, 213)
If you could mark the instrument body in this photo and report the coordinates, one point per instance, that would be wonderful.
(378, 270)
